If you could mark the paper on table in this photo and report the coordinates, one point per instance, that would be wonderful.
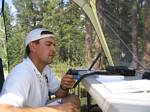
(128, 86)
(108, 78)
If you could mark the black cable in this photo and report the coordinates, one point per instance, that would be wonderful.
(99, 54)
(76, 72)
(113, 70)
(89, 74)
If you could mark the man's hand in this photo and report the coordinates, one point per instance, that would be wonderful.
(67, 81)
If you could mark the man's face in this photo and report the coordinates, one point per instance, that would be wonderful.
(45, 50)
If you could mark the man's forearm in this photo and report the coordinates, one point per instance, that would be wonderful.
(61, 93)
(9, 108)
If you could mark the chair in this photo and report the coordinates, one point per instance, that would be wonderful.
(1, 75)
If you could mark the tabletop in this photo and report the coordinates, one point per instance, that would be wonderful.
(116, 102)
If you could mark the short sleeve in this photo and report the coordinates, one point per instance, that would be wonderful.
(16, 87)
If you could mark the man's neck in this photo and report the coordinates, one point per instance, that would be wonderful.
(37, 64)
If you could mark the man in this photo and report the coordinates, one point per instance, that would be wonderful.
(28, 84)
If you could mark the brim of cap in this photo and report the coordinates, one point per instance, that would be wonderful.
(36, 35)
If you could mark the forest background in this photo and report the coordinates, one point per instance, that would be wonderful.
(77, 42)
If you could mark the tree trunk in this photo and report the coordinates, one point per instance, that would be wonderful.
(98, 50)
(146, 51)
(134, 24)
(88, 42)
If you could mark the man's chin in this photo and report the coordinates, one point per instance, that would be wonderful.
(50, 61)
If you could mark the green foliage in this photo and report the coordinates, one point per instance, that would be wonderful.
(3, 39)
(16, 47)
(62, 19)
(67, 23)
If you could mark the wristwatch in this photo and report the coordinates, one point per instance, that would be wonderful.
(59, 101)
(54, 102)
(64, 89)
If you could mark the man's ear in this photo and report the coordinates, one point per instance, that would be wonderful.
(32, 47)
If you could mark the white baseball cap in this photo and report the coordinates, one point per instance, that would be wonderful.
(35, 34)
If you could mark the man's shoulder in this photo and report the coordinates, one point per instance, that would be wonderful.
(24, 65)
(22, 70)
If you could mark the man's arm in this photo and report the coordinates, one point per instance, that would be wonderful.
(58, 108)
(10, 108)
(62, 93)
(66, 83)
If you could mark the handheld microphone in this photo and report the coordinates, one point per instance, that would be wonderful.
(73, 72)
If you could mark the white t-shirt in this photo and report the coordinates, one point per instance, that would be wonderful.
(25, 86)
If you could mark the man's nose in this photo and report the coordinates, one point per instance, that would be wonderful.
(54, 48)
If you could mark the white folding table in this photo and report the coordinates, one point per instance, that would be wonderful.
(111, 102)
